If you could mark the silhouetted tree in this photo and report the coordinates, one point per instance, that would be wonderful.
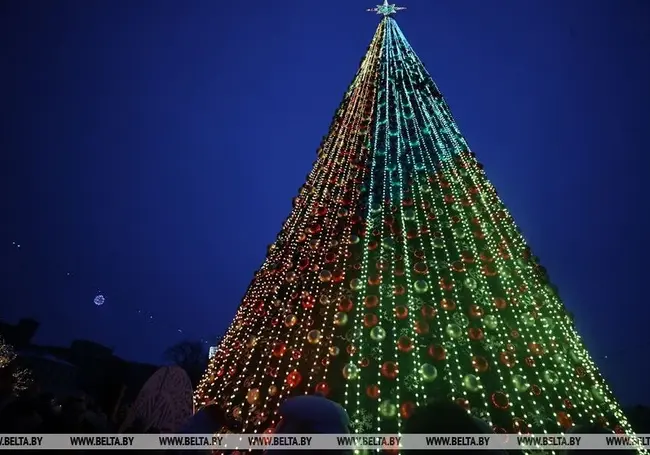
(191, 356)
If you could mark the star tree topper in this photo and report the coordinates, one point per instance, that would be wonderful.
(386, 9)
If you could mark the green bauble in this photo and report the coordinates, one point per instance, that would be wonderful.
(528, 320)
(461, 319)
(472, 383)
(378, 333)
(438, 243)
(454, 331)
(559, 359)
(490, 321)
(598, 394)
(350, 371)
(387, 409)
(421, 286)
(471, 283)
(547, 323)
(354, 239)
(551, 377)
(355, 284)
(409, 214)
(340, 319)
(520, 384)
(574, 355)
(459, 232)
(428, 372)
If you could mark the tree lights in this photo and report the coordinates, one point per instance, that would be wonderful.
(400, 277)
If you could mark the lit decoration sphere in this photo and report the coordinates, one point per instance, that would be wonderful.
(420, 267)
(551, 377)
(99, 300)
(472, 383)
(389, 370)
(356, 284)
(573, 354)
(294, 378)
(334, 351)
(236, 412)
(370, 320)
(252, 396)
(598, 394)
(278, 349)
(470, 283)
(519, 383)
(507, 359)
(371, 301)
(490, 321)
(314, 336)
(428, 372)
(437, 352)
(324, 299)
(404, 344)
(448, 304)
(354, 239)
(273, 390)
(428, 311)
(454, 331)
(373, 391)
(340, 319)
(401, 312)
(322, 388)
(564, 420)
(291, 276)
(406, 409)
(350, 372)
(290, 320)
(387, 409)
(528, 320)
(345, 305)
(476, 311)
(480, 364)
(421, 286)
(325, 276)
(378, 333)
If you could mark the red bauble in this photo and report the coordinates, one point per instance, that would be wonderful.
(500, 400)
(401, 312)
(437, 352)
(564, 420)
(279, 349)
(507, 359)
(428, 311)
(293, 379)
(406, 409)
(345, 305)
(371, 301)
(475, 333)
(448, 304)
(370, 320)
(421, 327)
(373, 391)
(404, 344)
(389, 370)
(323, 388)
(500, 303)
(480, 364)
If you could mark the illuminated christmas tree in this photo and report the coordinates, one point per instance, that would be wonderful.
(400, 277)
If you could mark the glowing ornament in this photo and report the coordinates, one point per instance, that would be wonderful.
(293, 379)
(428, 372)
(273, 390)
(389, 370)
(387, 409)
(356, 284)
(373, 391)
(334, 351)
(490, 321)
(551, 377)
(252, 396)
(472, 383)
(350, 372)
(325, 276)
(454, 331)
(340, 319)
(519, 383)
(378, 333)
(421, 286)
(99, 300)
(314, 336)
(480, 364)
(322, 388)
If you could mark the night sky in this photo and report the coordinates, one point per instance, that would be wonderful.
(151, 148)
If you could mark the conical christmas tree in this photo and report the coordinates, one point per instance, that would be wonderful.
(400, 277)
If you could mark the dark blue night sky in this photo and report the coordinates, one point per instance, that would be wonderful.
(151, 148)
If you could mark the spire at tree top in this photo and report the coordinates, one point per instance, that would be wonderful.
(386, 9)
